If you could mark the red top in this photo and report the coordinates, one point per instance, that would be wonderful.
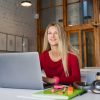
(52, 68)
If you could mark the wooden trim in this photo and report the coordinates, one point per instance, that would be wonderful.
(80, 48)
(96, 10)
(64, 14)
(79, 27)
(38, 27)
(97, 52)
(85, 56)
(96, 32)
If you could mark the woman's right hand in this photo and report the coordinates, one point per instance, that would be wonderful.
(48, 80)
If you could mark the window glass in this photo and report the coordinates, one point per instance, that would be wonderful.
(72, 1)
(74, 15)
(87, 11)
(57, 2)
(57, 14)
(88, 48)
(79, 12)
(74, 40)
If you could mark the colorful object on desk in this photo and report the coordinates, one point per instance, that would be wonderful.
(58, 86)
(53, 90)
(70, 90)
(56, 79)
(64, 90)
(60, 93)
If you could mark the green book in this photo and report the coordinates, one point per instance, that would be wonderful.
(47, 94)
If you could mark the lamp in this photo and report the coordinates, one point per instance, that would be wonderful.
(26, 3)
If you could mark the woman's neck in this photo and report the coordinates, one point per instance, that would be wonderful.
(54, 53)
(54, 50)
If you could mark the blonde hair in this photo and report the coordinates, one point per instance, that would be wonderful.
(75, 52)
(62, 45)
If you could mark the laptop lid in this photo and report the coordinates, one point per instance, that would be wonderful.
(20, 70)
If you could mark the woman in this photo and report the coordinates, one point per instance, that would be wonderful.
(59, 65)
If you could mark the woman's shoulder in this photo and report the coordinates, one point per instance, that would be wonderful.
(72, 55)
(44, 53)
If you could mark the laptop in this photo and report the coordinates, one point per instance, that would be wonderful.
(20, 70)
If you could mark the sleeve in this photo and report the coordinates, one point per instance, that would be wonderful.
(74, 71)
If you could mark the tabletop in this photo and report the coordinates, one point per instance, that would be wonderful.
(25, 94)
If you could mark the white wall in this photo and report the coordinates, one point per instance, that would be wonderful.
(89, 74)
(17, 20)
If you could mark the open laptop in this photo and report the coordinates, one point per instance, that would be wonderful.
(20, 70)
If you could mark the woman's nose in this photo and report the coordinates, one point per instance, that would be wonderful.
(53, 35)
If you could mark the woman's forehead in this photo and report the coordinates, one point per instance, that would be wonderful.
(52, 28)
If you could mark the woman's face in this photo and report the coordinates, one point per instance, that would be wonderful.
(53, 37)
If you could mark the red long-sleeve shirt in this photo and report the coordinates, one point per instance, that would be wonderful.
(52, 68)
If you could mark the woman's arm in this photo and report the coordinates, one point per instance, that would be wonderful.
(74, 71)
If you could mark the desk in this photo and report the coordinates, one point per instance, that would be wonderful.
(23, 94)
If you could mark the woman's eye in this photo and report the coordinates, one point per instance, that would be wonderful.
(55, 32)
(49, 32)
(52, 33)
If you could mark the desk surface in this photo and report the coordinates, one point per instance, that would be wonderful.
(22, 94)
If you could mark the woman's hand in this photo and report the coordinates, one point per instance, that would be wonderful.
(48, 80)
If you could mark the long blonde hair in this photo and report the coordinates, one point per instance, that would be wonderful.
(62, 45)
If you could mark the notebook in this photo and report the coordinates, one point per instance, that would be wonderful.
(20, 70)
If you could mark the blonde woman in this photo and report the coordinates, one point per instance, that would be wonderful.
(59, 65)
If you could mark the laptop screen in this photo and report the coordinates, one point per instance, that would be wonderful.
(20, 70)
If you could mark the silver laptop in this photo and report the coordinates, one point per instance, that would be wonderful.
(20, 70)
